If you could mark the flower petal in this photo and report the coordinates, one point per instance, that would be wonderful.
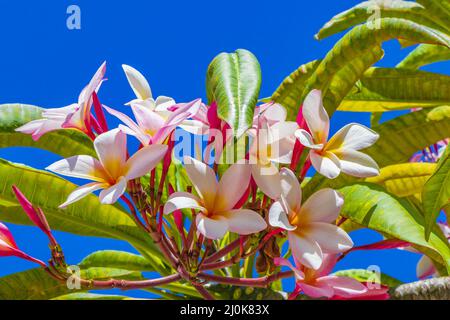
(149, 121)
(318, 290)
(111, 148)
(212, 228)
(82, 192)
(307, 140)
(326, 164)
(204, 180)
(182, 200)
(306, 251)
(84, 167)
(299, 275)
(323, 206)
(113, 193)
(316, 116)
(330, 238)
(6, 236)
(278, 217)
(268, 179)
(290, 189)
(232, 186)
(353, 136)
(357, 164)
(138, 83)
(163, 103)
(244, 221)
(425, 268)
(344, 287)
(144, 161)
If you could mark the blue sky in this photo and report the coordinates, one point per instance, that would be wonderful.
(171, 42)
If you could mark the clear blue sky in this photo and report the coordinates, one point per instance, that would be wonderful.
(171, 42)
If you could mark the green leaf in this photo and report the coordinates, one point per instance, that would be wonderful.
(86, 217)
(370, 206)
(370, 11)
(362, 39)
(116, 259)
(386, 89)
(402, 137)
(405, 179)
(290, 91)
(36, 284)
(90, 296)
(436, 193)
(65, 143)
(234, 81)
(423, 55)
(438, 10)
(364, 275)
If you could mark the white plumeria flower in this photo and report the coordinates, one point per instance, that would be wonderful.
(340, 153)
(112, 170)
(75, 116)
(311, 233)
(271, 144)
(216, 200)
(163, 106)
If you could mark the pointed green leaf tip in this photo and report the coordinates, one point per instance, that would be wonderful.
(233, 81)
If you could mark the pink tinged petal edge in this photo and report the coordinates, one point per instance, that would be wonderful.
(344, 286)
(305, 250)
(144, 161)
(113, 193)
(82, 192)
(323, 206)
(182, 200)
(6, 236)
(299, 275)
(330, 238)
(425, 268)
(244, 221)
(232, 186)
(318, 290)
(211, 228)
(204, 180)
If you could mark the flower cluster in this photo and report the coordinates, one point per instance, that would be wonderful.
(258, 196)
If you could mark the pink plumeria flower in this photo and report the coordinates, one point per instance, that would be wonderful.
(35, 214)
(75, 116)
(163, 106)
(340, 153)
(309, 225)
(272, 144)
(216, 200)
(320, 284)
(8, 246)
(112, 170)
(150, 127)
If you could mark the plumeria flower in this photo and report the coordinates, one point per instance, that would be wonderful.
(340, 153)
(8, 247)
(320, 284)
(75, 116)
(163, 107)
(216, 200)
(272, 144)
(310, 229)
(150, 127)
(112, 170)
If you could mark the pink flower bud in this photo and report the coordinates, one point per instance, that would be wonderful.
(35, 214)
(8, 246)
